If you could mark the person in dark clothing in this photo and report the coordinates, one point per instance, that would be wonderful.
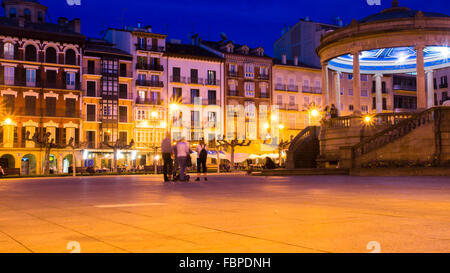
(269, 164)
(166, 150)
(334, 113)
(202, 156)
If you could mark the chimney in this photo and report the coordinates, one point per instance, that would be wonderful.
(283, 59)
(195, 39)
(296, 60)
(75, 25)
(21, 21)
(62, 21)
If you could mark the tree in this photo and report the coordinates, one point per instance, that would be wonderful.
(117, 146)
(232, 144)
(47, 144)
(282, 146)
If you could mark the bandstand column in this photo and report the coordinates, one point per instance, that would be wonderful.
(325, 91)
(356, 84)
(379, 95)
(337, 76)
(430, 89)
(421, 98)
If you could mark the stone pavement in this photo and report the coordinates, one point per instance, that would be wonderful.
(229, 213)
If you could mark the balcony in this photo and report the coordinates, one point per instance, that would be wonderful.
(92, 71)
(150, 48)
(177, 79)
(405, 87)
(288, 107)
(147, 101)
(212, 82)
(209, 102)
(263, 77)
(383, 91)
(311, 89)
(233, 74)
(264, 95)
(233, 93)
(149, 83)
(150, 67)
(443, 85)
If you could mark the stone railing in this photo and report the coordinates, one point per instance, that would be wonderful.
(399, 129)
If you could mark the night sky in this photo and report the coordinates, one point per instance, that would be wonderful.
(253, 22)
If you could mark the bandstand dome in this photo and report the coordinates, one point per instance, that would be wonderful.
(396, 40)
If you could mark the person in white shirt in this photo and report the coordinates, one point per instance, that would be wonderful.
(202, 155)
(183, 151)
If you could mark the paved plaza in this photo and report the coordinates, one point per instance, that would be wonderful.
(229, 213)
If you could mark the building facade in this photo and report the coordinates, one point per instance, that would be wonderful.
(248, 89)
(150, 96)
(39, 86)
(195, 85)
(107, 111)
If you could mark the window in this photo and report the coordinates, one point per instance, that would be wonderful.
(70, 107)
(8, 51)
(212, 97)
(91, 67)
(12, 13)
(306, 100)
(90, 138)
(90, 112)
(123, 114)
(195, 94)
(51, 78)
(91, 89)
(50, 55)
(50, 106)
(211, 77)
(177, 93)
(249, 89)
(123, 70)
(9, 75)
(291, 100)
(176, 74)
(350, 107)
(212, 119)
(40, 17)
(384, 104)
(123, 91)
(233, 68)
(8, 103)
(123, 138)
(195, 119)
(27, 14)
(364, 93)
(154, 97)
(279, 99)
(30, 105)
(70, 80)
(71, 57)
(350, 91)
(364, 108)
(249, 71)
(31, 77)
(194, 76)
(30, 53)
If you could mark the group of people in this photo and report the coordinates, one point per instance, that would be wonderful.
(330, 112)
(181, 153)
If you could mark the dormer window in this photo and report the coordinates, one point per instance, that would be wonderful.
(244, 49)
(230, 48)
(27, 15)
(12, 13)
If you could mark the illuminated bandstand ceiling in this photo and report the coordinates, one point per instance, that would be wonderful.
(393, 60)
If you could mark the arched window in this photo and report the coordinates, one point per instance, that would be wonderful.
(50, 55)
(30, 53)
(12, 13)
(71, 57)
(8, 51)
(27, 14)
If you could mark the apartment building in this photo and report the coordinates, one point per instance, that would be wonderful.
(297, 92)
(107, 111)
(248, 85)
(148, 90)
(39, 86)
(195, 85)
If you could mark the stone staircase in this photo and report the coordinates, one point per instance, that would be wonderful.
(304, 149)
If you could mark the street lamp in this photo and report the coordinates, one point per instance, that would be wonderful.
(8, 121)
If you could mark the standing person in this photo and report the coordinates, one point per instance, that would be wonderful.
(202, 155)
(166, 150)
(183, 151)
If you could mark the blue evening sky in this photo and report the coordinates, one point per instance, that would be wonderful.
(252, 22)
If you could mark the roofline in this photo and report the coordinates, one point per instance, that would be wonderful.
(150, 34)
(195, 57)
